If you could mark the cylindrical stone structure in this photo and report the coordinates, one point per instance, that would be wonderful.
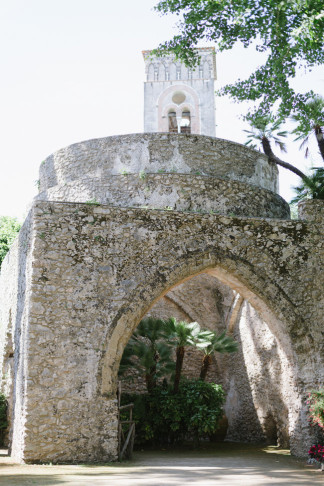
(191, 173)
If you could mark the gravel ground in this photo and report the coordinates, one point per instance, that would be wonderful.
(222, 464)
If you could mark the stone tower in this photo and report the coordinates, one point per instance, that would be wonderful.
(178, 99)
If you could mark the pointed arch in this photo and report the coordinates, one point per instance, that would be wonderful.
(239, 275)
(150, 72)
(161, 72)
(173, 71)
(207, 70)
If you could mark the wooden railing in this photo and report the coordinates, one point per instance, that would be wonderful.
(125, 438)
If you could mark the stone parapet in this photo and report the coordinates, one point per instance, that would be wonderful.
(157, 152)
(311, 210)
(181, 192)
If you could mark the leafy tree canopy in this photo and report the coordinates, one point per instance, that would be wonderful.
(289, 32)
(9, 227)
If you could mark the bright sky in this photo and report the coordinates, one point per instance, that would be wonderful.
(72, 70)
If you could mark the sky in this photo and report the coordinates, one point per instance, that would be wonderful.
(72, 70)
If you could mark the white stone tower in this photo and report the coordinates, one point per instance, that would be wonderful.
(178, 99)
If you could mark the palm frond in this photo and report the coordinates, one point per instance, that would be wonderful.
(283, 134)
(265, 127)
(150, 328)
(281, 145)
(308, 120)
(311, 187)
(304, 142)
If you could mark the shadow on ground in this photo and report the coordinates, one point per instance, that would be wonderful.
(222, 464)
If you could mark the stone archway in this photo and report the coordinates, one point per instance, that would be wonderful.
(237, 273)
(94, 279)
(286, 393)
(83, 273)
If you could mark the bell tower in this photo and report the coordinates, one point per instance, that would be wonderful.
(178, 99)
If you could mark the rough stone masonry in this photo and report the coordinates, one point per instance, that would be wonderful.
(91, 260)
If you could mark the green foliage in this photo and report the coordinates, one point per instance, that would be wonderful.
(3, 412)
(93, 202)
(182, 333)
(316, 407)
(148, 352)
(142, 175)
(290, 33)
(9, 228)
(311, 187)
(221, 343)
(215, 344)
(163, 417)
(265, 127)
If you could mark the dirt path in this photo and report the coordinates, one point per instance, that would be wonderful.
(223, 465)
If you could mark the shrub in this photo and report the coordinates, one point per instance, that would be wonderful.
(9, 228)
(316, 407)
(3, 412)
(317, 452)
(3, 417)
(164, 417)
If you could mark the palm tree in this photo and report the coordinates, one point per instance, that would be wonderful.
(310, 121)
(218, 344)
(311, 187)
(147, 352)
(265, 129)
(181, 334)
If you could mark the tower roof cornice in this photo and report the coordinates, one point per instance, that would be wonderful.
(205, 49)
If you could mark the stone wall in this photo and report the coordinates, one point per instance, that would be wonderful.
(98, 270)
(15, 278)
(259, 381)
(311, 210)
(173, 191)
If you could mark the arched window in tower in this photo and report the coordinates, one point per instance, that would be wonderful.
(173, 126)
(150, 73)
(185, 124)
(172, 71)
(161, 72)
(207, 70)
(184, 72)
